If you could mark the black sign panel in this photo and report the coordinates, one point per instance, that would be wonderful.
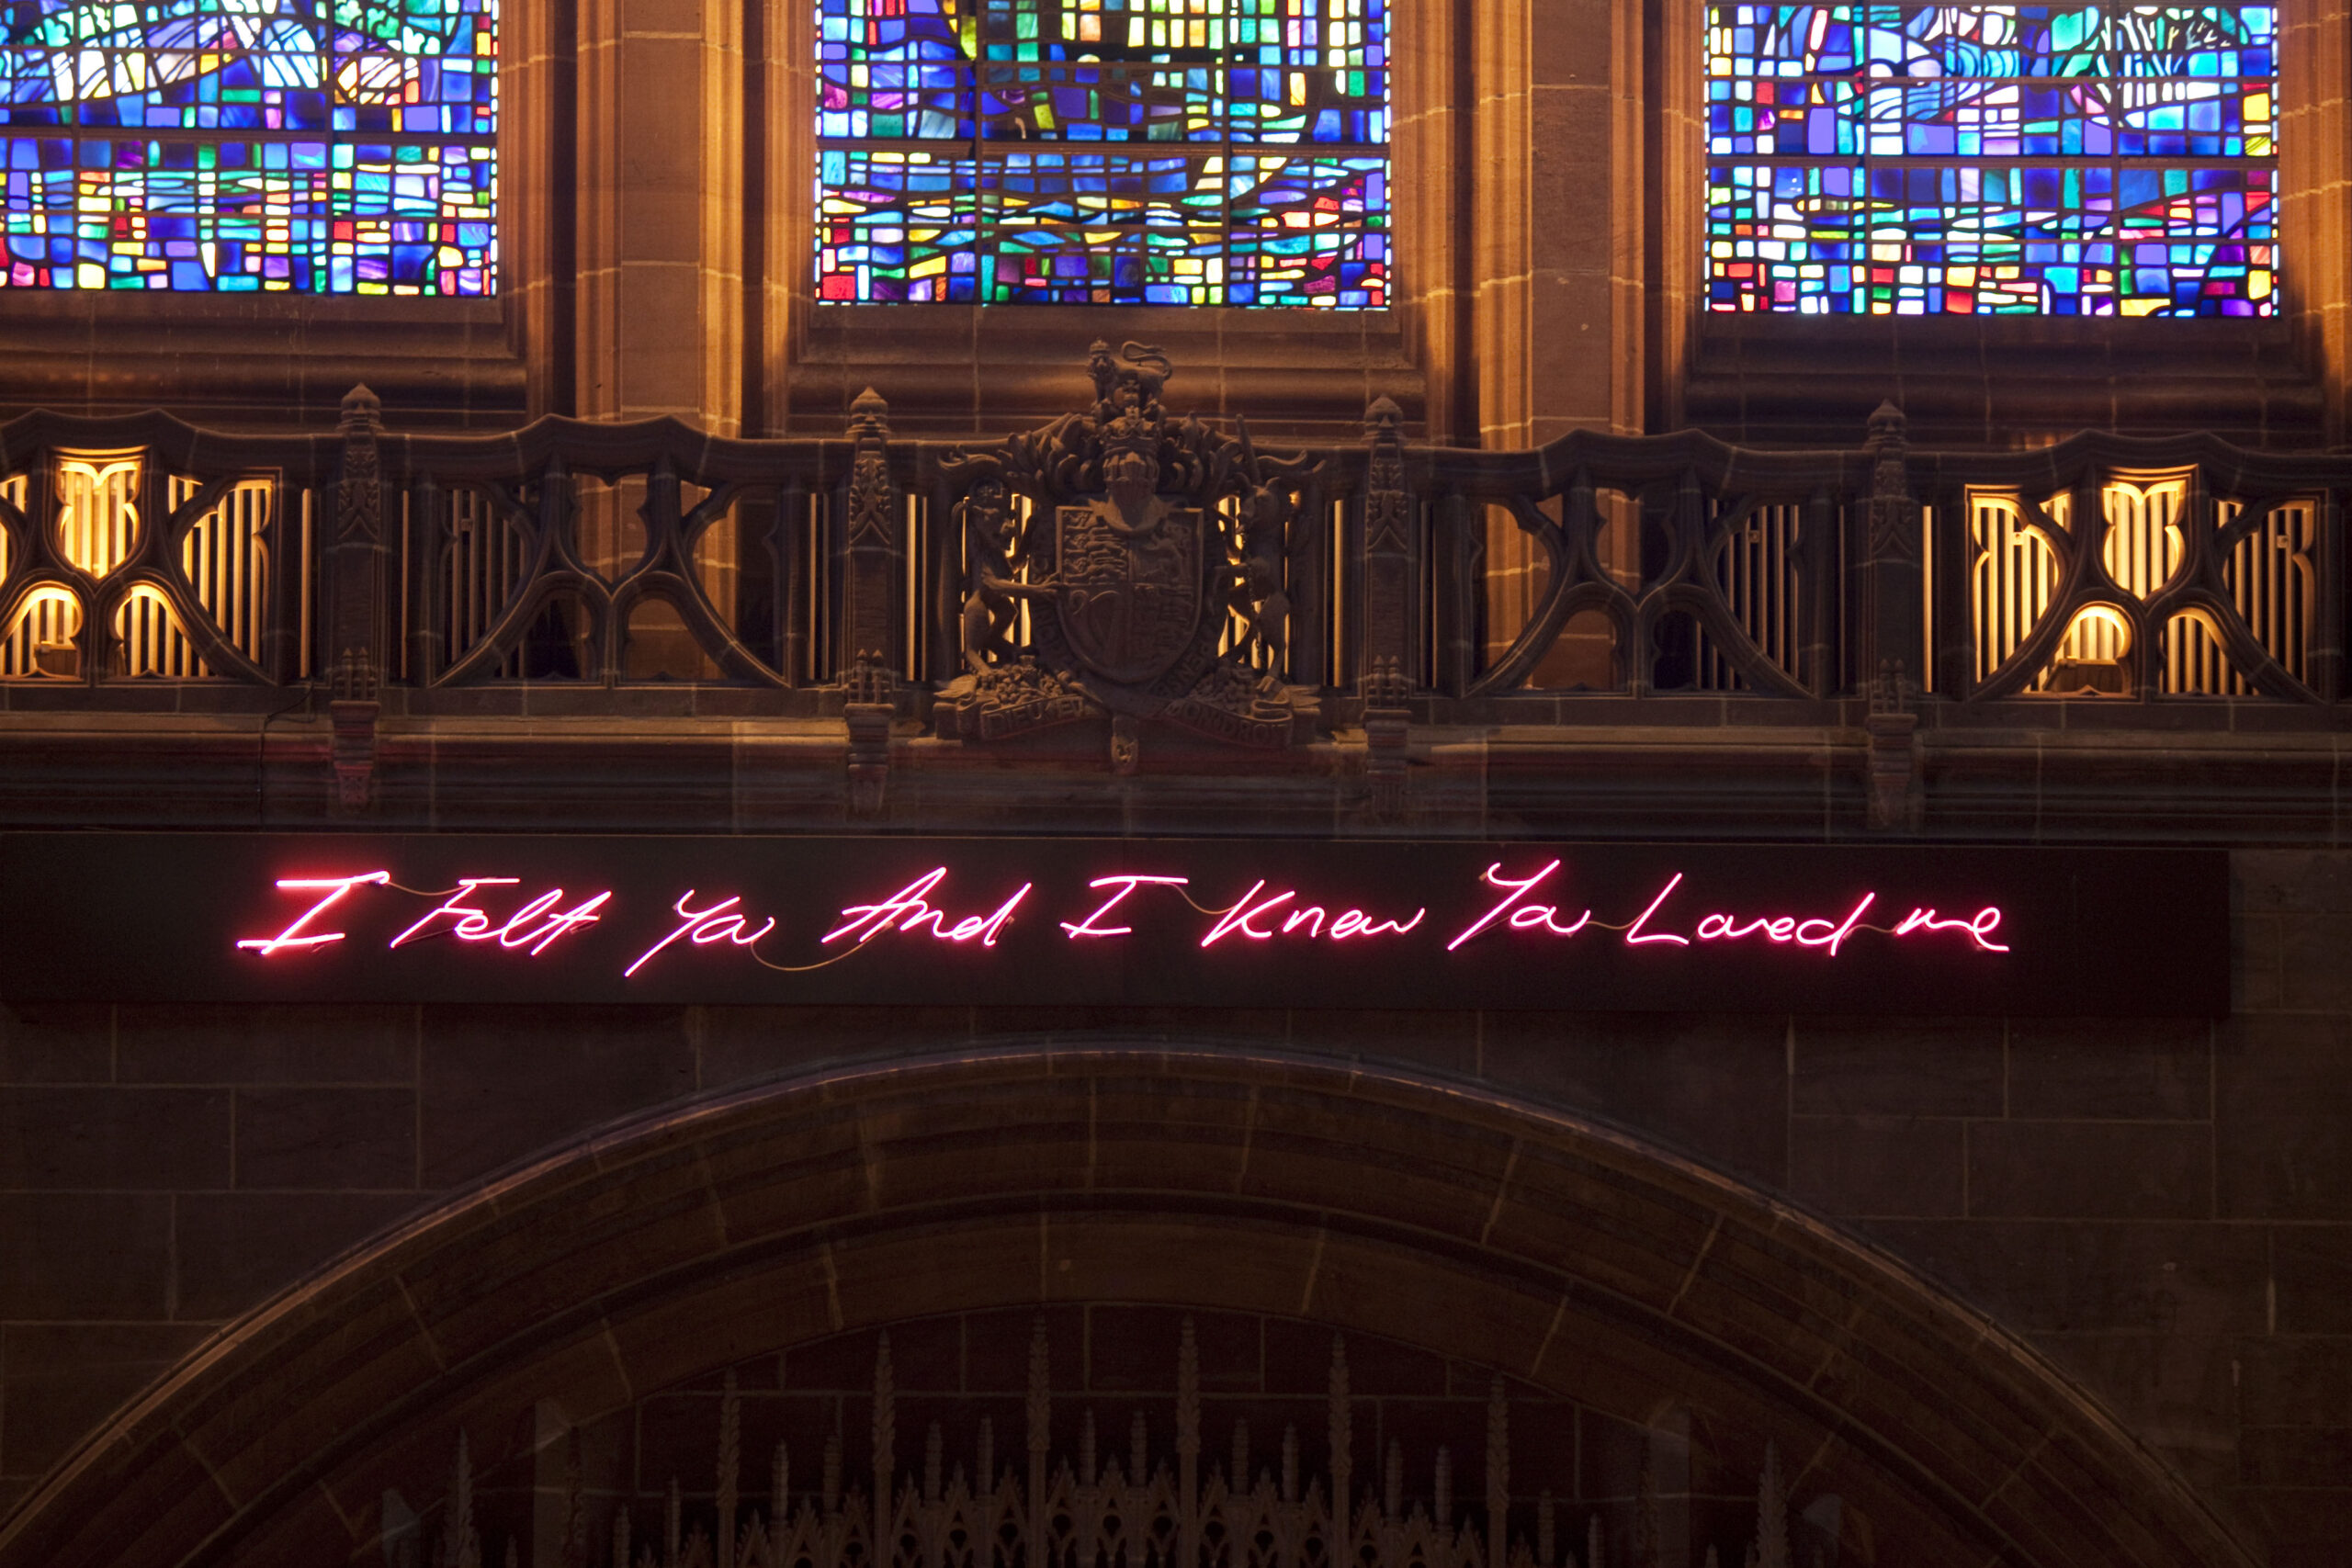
(1147, 922)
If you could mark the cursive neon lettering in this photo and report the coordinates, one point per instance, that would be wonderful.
(1635, 936)
(692, 923)
(533, 927)
(729, 928)
(511, 934)
(1378, 928)
(581, 914)
(477, 911)
(908, 909)
(1979, 927)
(1836, 938)
(1517, 890)
(1243, 912)
(1315, 919)
(993, 926)
(1533, 917)
(1125, 883)
(934, 916)
(866, 921)
(472, 923)
(298, 934)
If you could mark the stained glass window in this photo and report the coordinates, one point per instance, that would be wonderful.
(1933, 160)
(301, 146)
(1103, 152)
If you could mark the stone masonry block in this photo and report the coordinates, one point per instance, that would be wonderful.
(2039, 1276)
(315, 1138)
(1898, 1067)
(57, 1044)
(60, 1378)
(501, 1083)
(267, 1044)
(234, 1248)
(2146, 1070)
(2283, 1118)
(85, 1255)
(1877, 1164)
(117, 1138)
(2101, 1171)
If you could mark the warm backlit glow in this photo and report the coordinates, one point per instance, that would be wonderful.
(2016, 546)
(98, 526)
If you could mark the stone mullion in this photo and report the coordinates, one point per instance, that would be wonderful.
(1428, 187)
(1500, 194)
(661, 181)
(1502, 263)
(721, 272)
(788, 89)
(597, 247)
(2314, 64)
(1631, 198)
(1673, 123)
(535, 197)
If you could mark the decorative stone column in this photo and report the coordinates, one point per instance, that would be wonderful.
(1561, 210)
(660, 192)
(2315, 55)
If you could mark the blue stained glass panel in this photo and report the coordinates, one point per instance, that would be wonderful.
(1103, 152)
(264, 146)
(1909, 160)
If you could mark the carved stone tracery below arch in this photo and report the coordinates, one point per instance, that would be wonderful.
(1488, 1233)
(1176, 1493)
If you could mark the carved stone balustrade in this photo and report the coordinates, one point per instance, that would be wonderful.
(1132, 611)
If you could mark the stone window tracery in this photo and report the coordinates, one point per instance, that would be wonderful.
(1103, 152)
(1934, 160)
(288, 146)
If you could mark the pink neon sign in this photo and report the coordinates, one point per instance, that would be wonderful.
(297, 935)
(534, 927)
(1524, 910)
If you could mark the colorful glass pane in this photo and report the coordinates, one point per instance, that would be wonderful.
(297, 146)
(1906, 160)
(1103, 152)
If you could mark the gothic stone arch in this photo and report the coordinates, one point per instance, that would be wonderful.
(1563, 1256)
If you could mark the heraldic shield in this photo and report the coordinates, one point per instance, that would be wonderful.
(1130, 599)
(1128, 563)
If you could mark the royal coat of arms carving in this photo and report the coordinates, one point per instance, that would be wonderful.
(1149, 555)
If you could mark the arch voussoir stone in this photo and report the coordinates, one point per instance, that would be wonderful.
(1549, 1248)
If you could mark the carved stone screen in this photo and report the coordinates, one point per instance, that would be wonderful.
(2059, 160)
(294, 146)
(1103, 152)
